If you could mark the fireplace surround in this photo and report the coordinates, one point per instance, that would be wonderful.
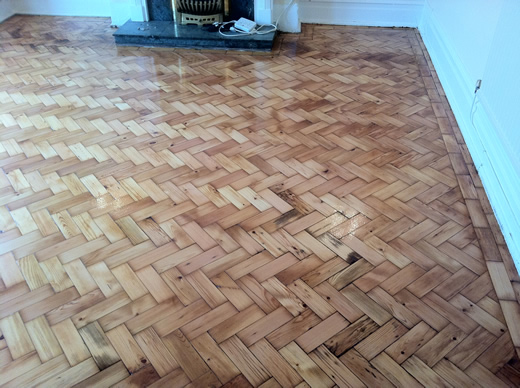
(182, 10)
(156, 23)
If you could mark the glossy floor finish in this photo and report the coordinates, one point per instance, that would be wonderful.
(309, 218)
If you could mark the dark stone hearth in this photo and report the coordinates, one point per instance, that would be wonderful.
(160, 10)
(169, 34)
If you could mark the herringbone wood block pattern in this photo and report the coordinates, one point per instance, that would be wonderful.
(194, 218)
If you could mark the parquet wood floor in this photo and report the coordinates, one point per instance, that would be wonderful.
(310, 218)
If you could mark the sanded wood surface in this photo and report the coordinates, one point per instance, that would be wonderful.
(307, 218)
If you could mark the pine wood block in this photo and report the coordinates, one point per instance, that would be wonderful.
(74, 375)
(314, 245)
(305, 366)
(337, 300)
(450, 312)
(129, 281)
(16, 336)
(293, 329)
(154, 232)
(410, 342)
(363, 370)
(351, 273)
(428, 281)
(156, 351)
(71, 342)
(511, 312)
(422, 373)
(56, 274)
(37, 373)
(470, 348)
(440, 345)
(206, 289)
(127, 348)
(264, 326)
(453, 375)
(311, 299)
(245, 361)
(206, 380)
(176, 258)
(175, 379)
(232, 291)
(153, 315)
(402, 279)
(43, 339)
(275, 364)
(9, 271)
(216, 359)
(366, 304)
(393, 371)
(351, 335)
(500, 280)
(132, 230)
(376, 276)
(18, 368)
(180, 286)
(66, 224)
(321, 332)
(87, 226)
(479, 315)
(155, 284)
(484, 377)
(100, 348)
(334, 369)
(105, 280)
(202, 260)
(390, 304)
(247, 266)
(236, 323)
(32, 272)
(285, 296)
(127, 312)
(80, 277)
(222, 238)
(421, 309)
(107, 377)
(23, 219)
(208, 320)
(380, 339)
(187, 357)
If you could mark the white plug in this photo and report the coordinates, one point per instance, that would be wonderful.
(245, 25)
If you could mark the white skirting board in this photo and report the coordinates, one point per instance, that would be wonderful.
(383, 13)
(6, 9)
(496, 171)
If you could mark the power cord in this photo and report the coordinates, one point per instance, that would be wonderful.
(472, 112)
(259, 29)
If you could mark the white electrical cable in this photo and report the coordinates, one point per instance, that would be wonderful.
(258, 30)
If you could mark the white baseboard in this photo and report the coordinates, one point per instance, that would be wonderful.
(496, 170)
(64, 8)
(6, 9)
(381, 13)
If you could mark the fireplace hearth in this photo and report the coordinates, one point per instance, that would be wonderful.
(167, 29)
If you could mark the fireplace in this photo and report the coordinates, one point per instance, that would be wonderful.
(158, 23)
(200, 11)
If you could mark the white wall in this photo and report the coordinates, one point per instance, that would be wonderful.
(6, 9)
(386, 13)
(479, 39)
(289, 19)
(64, 7)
